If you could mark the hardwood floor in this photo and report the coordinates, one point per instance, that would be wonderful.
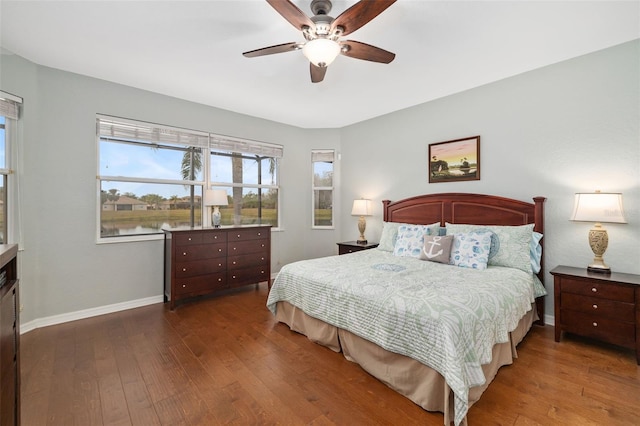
(224, 360)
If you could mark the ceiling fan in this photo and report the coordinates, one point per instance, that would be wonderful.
(323, 33)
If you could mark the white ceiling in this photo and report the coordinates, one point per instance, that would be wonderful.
(193, 50)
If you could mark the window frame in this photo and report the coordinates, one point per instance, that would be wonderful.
(314, 188)
(121, 130)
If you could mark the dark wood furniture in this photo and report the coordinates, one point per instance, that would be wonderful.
(9, 337)
(204, 261)
(477, 209)
(605, 307)
(353, 246)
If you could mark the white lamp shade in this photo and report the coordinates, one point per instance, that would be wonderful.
(321, 51)
(361, 208)
(215, 197)
(598, 207)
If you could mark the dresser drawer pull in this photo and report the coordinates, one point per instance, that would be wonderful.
(220, 265)
(593, 289)
(184, 254)
(189, 238)
(259, 234)
(595, 306)
(262, 258)
(234, 262)
(219, 249)
(234, 277)
(238, 235)
(595, 324)
(184, 286)
(262, 245)
(219, 279)
(234, 249)
(184, 269)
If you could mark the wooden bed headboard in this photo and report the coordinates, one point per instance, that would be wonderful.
(478, 209)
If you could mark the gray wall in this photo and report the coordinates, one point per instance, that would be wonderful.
(62, 269)
(569, 127)
(566, 128)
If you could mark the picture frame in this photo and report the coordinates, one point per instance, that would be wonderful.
(455, 160)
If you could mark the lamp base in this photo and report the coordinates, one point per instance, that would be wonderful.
(362, 242)
(599, 269)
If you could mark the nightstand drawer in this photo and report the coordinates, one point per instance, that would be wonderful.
(603, 308)
(607, 330)
(598, 289)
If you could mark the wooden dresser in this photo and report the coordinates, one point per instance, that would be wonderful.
(204, 261)
(9, 337)
(601, 306)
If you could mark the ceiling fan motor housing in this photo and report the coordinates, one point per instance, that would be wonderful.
(321, 7)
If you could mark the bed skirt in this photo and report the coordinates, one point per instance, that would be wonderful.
(410, 378)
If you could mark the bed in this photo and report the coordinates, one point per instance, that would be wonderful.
(434, 332)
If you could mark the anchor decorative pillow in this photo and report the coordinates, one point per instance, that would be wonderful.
(437, 248)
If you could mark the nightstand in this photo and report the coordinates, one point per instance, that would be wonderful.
(605, 307)
(353, 246)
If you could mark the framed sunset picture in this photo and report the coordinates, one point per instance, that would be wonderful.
(454, 161)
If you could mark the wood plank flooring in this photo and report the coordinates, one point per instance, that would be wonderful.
(224, 360)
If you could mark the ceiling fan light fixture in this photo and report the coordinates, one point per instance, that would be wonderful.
(321, 51)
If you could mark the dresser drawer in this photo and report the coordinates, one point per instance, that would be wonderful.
(251, 275)
(200, 251)
(186, 238)
(200, 267)
(603, 308)
(598, 289)
(213, 237)
(194, 286)
(605, 329)
(246, 260)
(248, 234)
(248, 246)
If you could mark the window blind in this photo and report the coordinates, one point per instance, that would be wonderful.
(111, 127)
(9, 105)
(323, 156)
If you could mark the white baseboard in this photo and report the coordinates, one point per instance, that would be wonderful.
(88, 313)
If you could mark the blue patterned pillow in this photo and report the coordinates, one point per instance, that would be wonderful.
(510, 245)
(471, 250)
(389, 234)
(410, 240)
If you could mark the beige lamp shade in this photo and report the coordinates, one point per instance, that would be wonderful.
(598, 207)
(361, 208)
(215, 197)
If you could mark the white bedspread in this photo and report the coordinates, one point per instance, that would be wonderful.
(444, 316)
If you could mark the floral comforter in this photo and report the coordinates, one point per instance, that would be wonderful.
(444, 316)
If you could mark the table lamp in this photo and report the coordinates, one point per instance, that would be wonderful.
(361, 208)
(215, 198)
(598, 207)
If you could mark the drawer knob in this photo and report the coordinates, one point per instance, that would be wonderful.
(184, 269)
(184, 254)
(259, 234)
(262, 258)
(593, 289)
(220, 265)
(219, 249)
(189, 238)
(595, 306)
(219, 279)
(234, 249)
(238, 235)
(595, 324)
(184, 285)
(262, 245)
(234, 277)
(234, 262)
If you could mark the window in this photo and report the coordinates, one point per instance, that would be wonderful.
(152, 177)
(322, 186)
(9, 106)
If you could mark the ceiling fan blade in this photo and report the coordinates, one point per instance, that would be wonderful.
(292, 13)
(358, 50)
(279, 48)
(317, 73)
(359, 14)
